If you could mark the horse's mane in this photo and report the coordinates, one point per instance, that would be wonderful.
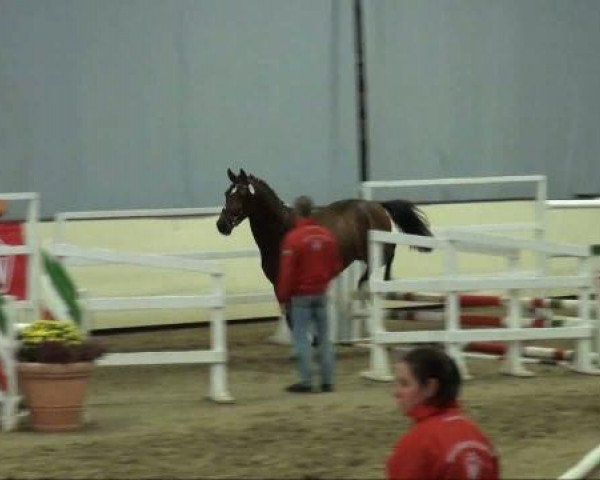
(265, 186)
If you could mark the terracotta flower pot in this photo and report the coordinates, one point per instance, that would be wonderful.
(55, 393)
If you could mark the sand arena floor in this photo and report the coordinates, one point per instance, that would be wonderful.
(154, 422)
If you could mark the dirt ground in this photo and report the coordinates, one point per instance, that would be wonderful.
(154, 422)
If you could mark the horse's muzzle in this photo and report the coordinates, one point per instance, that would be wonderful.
(224, 226)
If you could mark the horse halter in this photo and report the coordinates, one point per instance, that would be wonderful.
(230, 216)
(232, 220)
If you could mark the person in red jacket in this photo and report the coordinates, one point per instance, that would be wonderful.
(310, 259)
(443, 443)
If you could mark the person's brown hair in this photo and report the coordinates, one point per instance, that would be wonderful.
(428, 363)
(303, 206)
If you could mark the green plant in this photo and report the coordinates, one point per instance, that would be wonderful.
(57, 341)
(64, 285)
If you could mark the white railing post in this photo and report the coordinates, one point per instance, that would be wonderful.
(596, 274)
(218, 343)
(540, 231)
(339, 309)
(35, 260)
(452, 310)
(583, 347)
(513, 361)
(367, 191)
(379, 362)
(541, 220)
(594, 267)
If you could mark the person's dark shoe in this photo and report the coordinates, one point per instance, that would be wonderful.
(326, 387)
(299, 388)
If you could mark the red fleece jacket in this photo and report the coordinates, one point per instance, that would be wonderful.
(443, 444)
(310, 258)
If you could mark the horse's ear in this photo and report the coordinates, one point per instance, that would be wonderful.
(231, 175)
(243, 177)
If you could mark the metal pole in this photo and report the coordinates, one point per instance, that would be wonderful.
(361, 92)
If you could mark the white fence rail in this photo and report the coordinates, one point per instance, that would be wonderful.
(450, 283)
(215, 301)
(70, 256)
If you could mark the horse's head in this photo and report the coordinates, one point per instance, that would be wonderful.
(238, 201)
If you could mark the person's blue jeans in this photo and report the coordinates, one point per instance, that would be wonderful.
(311, 311)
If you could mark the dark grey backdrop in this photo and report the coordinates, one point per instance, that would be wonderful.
(145, 103)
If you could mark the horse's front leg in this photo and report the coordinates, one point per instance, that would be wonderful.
(364, 277)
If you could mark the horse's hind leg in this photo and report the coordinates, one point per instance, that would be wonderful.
(389, 259)
(363, 278)
(362, 294)
(389, 252)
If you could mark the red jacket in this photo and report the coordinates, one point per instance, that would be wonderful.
(310, 258)
(443, 444)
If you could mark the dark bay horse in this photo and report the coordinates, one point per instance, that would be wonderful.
(350, 220)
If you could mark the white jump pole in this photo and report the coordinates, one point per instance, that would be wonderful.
(585, 466)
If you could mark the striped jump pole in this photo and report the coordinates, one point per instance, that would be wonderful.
(541, 353)
(468, 320)
(476, 300)
(464, 300)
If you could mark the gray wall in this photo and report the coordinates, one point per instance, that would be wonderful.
(145, 103)
(485, 87)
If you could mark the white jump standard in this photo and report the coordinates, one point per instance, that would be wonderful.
(216, 357)
(452, 284)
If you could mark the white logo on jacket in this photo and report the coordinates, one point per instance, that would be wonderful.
(472, 465)
(472, 459)
(316, 245)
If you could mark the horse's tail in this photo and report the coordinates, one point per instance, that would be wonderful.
(409, 218)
